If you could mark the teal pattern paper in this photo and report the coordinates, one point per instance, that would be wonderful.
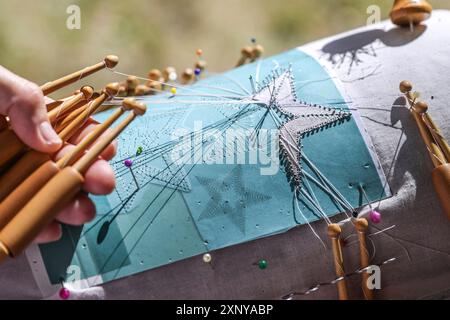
(162, 211)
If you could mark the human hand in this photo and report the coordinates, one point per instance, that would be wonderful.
(24, 104)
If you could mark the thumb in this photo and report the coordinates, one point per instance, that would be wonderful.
(23, 102)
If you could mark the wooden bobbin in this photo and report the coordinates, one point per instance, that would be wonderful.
(70, 105)
(108, 93)
(169, 74)
(441, 181)
(132, 83)
(109, 62)
(10, 147)
(42, 209)
(32, 184)
(438, 148)
(246, 53)
(123, 92)
(142, 90)
(434, 150)
(257, 52)
(68, 119)
(187, 76)
(422, 108)
(128, 104)
(334, 232)
(361, 226)
(407, 12)
(56, 103)
(154, 86)
(155, 75)
(201, 65)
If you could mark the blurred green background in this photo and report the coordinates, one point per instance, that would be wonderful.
(145, 34)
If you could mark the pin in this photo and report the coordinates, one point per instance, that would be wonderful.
(262, 264)
(128, 163)
(173, 91)
(139, 151)
(374, 215)
(207, 258)
(252, 83)
(64, 293)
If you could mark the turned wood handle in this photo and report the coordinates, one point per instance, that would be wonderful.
(18, 172)
(434, 151)
(70, 104)
(334, 232)
(109, 62)
(440, 139)
(441, 181)
(361, 225)
(16, 200)
(67, 119)
(40, 210)
(11, 146)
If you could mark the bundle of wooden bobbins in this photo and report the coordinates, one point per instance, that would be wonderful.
(436, 145)
(168, 80)
(28, 177)
(161, 81)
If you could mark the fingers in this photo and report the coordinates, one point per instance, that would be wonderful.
(99, 179)
(23, 102)
(108, 153)
(52, 232)
(78, 212)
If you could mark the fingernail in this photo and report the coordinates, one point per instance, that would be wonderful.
(49, 134)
